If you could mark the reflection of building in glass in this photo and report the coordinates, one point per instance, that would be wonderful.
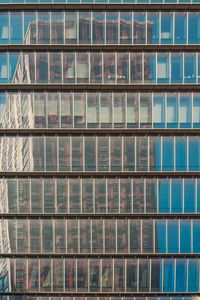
(99, 198)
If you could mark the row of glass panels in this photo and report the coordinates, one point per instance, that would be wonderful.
(101, 236)
(100, 154)
(100, 68)
(99, 28)
(105, 275)
(97, 196)
(99, 110)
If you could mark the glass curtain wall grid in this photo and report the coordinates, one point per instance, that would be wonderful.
(95, 28)
(111, 196)
(131, 68)
(84, 275)
(100, 154)
(99, 150)
(103, 237)
(99, 110)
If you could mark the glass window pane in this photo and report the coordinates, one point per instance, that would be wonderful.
(84, 28)
(94, 275)
(138, 195)
(149, 68)
(4, 30)
(70, 28)
(172, 236)
(185, 236)
(125, 28)
(98, 24)
(194, 147)
(82, 275)
(193, 28)
(135, 236)
(168, 284)
(196, 236)
(111, 28)
(193, 275)
(166, 28)
(160, 236)
(152, 28)
(109, 67)
(55, 68)
(176, 68)
(172, 111)
(189, 68)
(131, 275)
(122, 67)
(163, 68)
(177, 195)
(57, 28)
(136, 67)
(189, 195)
(168, 154)
(82, 67)
(196, 110)
(181, 154)
(16, 28)
(180, 28)
(159, 110)
(139, 28)
(43, 28)
(132, 110)
(181, 275)
(156, 275)
(68, 67)
(95, 68)
(144, 273)
(164, 195)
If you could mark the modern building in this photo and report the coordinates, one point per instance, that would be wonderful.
(99, 150)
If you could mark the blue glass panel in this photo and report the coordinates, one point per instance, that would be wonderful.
(166, 28)
(172, 236)
(160, 236)
(194, 160)
(196, 236)
(152, 28)
(168, 284)
(176, 68)
(189, 68)
(193, 28)
(185, 111)
(164, 196)
(196, 108)
(198, 195)
(172, 111)
(177, 196)
(181, 275)
(185, 236)
(180, 28)
(4, 32)
(181, 154)
(189, 195)
(168, 154)
(162, 68)
(193, 275)
(158, 111)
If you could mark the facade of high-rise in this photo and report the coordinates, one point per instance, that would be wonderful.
(99, 150)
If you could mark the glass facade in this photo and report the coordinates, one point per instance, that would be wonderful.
(100, 68)
(99, 150)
